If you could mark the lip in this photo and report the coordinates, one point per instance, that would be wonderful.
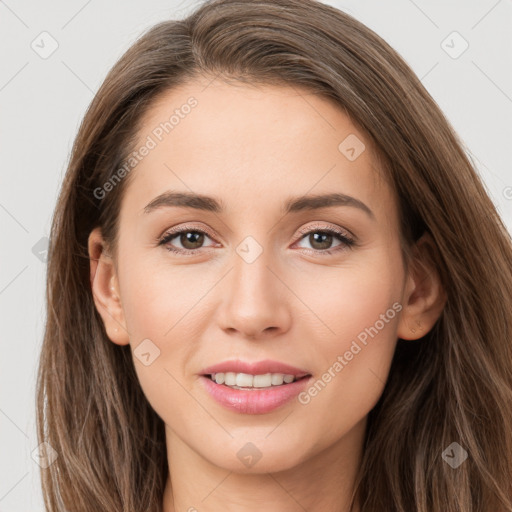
(253, 401)
(256, 368)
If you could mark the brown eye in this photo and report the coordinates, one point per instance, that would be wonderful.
(190, 240)
(321, 240)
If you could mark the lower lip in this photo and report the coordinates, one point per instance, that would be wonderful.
(254, 401)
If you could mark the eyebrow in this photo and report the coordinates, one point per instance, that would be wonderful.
(291, 205)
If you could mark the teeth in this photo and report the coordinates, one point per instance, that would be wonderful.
(277, 379)
(245, 380)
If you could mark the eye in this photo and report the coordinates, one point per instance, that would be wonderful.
(321, 239)
(190, 239)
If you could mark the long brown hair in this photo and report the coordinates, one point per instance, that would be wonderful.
(453, 385)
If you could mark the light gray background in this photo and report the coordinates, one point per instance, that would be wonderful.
(43, 101)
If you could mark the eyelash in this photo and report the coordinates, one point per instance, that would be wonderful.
(347, 242)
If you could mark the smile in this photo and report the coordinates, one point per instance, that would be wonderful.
(250, 399)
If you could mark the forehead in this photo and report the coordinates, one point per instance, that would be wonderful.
(248, 143)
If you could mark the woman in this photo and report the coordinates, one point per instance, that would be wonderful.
(275, 282)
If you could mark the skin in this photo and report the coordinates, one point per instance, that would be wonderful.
(252, 148)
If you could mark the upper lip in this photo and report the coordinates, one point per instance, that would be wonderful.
(256, 368)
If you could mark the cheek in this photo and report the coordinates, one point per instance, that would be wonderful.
(157, 296)
(345, 301)
(354, 339)
(164, 309)
(160, 308)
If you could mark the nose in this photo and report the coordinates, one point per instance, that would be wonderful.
(256, 303)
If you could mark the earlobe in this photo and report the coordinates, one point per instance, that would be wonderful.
(424, 296)
(105, 289)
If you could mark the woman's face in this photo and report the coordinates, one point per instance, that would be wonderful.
(261, 272)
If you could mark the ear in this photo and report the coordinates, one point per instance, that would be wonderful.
(105, 289)
(424, 296)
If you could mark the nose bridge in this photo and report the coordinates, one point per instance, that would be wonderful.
(251, 277)
(254, 299)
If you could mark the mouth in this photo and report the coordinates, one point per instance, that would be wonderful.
(253, 394)
(256, 387)
(250, 382)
